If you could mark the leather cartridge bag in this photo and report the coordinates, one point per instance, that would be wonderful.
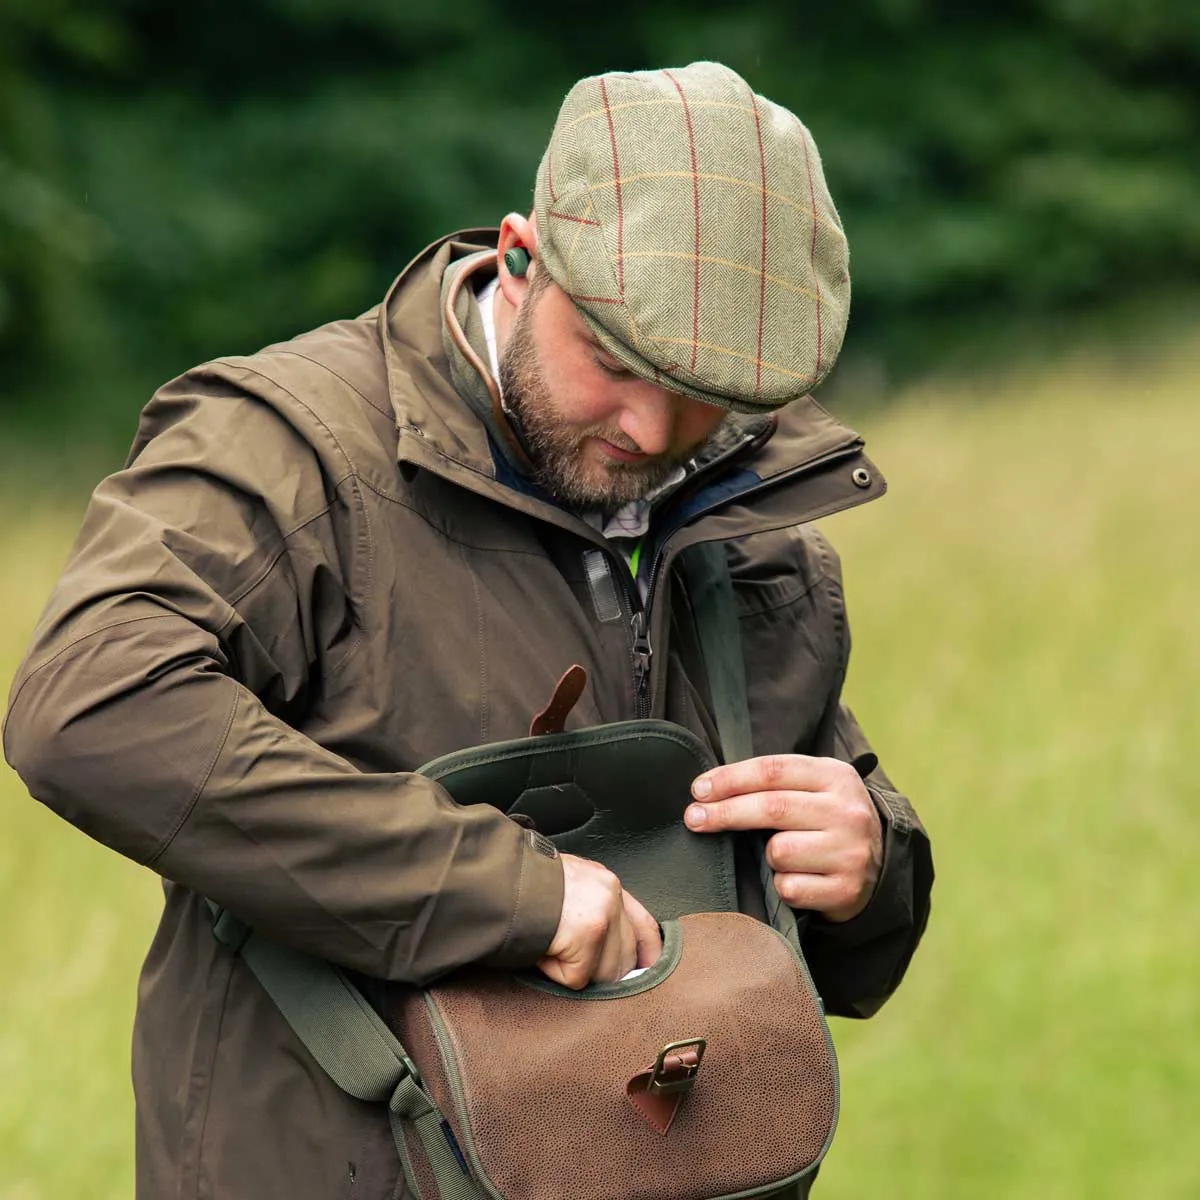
(710, 1074)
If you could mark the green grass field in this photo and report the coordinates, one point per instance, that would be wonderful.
(1027, 662)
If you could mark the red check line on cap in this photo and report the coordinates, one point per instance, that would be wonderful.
(577, 220)
(762, 286)
(687, 116)
(612, 137)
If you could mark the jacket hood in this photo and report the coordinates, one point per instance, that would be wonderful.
(420, 385)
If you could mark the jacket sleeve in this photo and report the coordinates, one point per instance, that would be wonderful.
(152, 708)
(857, 964)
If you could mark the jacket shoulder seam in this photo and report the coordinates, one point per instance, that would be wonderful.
(351, 473)
(237, 597)
(245, 367)
(252, 586)
(316, 362)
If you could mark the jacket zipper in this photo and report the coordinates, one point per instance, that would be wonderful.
(641, 651)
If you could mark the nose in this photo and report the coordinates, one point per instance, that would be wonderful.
(648, 417)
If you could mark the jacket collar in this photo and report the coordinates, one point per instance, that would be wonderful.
(432, 419)
(439, 431)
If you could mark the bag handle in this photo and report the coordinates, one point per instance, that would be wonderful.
(705, 571)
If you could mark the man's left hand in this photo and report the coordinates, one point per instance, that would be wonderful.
(829, 848)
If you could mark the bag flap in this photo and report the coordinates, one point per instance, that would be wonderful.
(612, 793)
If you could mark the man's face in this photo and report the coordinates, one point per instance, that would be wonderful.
(598, 435)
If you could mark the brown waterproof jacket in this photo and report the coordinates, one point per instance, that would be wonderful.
(308, 581)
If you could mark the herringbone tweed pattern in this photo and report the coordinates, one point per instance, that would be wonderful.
(689, 220)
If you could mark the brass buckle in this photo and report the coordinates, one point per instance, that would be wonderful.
(681, 1079)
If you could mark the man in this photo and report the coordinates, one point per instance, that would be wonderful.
(336, 559)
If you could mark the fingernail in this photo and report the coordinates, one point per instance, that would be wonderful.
(695, 815)
(701, 788)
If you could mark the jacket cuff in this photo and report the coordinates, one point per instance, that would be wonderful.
(538, 904)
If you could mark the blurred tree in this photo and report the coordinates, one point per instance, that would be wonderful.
(183, 181)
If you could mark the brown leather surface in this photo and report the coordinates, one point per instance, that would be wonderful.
(544, 1076)
(567, 691)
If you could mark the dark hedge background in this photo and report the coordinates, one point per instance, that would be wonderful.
(183, 181)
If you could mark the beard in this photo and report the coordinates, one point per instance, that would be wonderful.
(556, 447)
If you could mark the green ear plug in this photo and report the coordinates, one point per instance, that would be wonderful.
(517, 260)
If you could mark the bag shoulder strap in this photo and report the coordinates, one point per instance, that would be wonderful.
(705, 571)
(352, 1044)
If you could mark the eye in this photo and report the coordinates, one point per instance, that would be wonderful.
(612, 368)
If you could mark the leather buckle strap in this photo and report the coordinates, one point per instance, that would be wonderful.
(553, 718)
(658, 1091)
(675, 1068)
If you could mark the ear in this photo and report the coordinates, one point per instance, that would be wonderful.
(515, 230)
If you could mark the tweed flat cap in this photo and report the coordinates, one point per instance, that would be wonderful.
(688, 219)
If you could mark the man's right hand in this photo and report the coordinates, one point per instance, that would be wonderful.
(603, 932)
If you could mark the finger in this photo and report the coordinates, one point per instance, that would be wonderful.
(817, 893)
(825, 852)
(767, 773)
(805, 852)
(619, 953)
(583, 960)
(574, 965)
(562, 972)
(761, 810)
(838, 896)
(645, 928)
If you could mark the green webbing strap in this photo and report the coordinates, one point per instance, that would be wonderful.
(448, 1167)
(705, 571)
(351, 1044)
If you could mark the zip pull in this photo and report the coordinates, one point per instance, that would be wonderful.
(641, 660)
